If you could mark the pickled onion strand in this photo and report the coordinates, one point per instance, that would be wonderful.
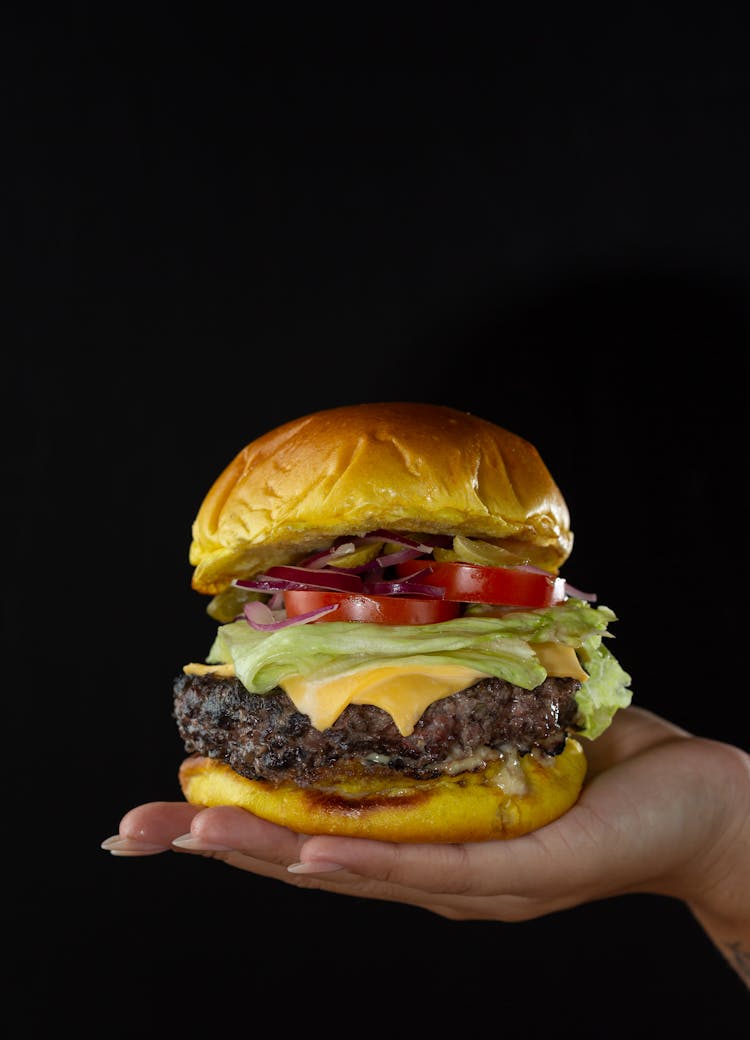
(570, 590)
(257, 615)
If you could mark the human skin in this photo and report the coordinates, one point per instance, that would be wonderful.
(661, 811)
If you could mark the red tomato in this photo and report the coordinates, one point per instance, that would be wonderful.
(472, 583)
(383, 610)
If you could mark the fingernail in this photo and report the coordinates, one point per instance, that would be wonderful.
(119, 846)
(319, 866)
(191, 844)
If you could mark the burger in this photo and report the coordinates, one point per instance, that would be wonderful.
(396, 654)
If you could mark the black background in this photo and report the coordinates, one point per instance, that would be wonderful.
(216, 224)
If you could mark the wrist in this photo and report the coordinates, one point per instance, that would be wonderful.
(715, 888)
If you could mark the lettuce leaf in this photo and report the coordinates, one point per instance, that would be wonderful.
(501, 647)
(606, 690)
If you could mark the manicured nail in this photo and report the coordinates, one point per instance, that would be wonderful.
(319, 866)
(119, 846)
(191, 844)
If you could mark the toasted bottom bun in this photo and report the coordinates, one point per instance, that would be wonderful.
(466, 807)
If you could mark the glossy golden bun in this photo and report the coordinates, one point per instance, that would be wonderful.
(411, 467)
(467, 807)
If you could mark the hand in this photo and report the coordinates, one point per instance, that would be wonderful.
(661, 812)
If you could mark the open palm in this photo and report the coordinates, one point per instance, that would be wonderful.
(655, 815)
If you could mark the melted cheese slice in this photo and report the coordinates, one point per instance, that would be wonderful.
(223, 670)
(560, 661)
(404, 691)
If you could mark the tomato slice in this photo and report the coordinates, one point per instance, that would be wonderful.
(382, 610)
(473, 583)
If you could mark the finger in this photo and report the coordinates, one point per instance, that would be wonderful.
(149, 829)
(429, 868)
(240, 839)
(433, 877)
(559, 864)
(225, 829)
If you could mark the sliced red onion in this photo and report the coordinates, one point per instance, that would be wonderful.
(262, 619)
(571, 590)
(264, 584)
(437, 541)
(258, 614)
(350, 545)
(334, 579)
(398, 557)
(346, 546)
(336, 552)
(283, 578)
(403, 587)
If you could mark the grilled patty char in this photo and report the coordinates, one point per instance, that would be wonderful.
(263, 736)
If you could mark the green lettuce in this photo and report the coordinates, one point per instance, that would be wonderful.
(501, 647)
(606, 689)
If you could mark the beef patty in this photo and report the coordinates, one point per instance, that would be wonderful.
(263, 736)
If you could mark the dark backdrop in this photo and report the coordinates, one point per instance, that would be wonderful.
(216, 224)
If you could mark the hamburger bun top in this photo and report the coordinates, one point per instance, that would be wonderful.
(410, 467)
